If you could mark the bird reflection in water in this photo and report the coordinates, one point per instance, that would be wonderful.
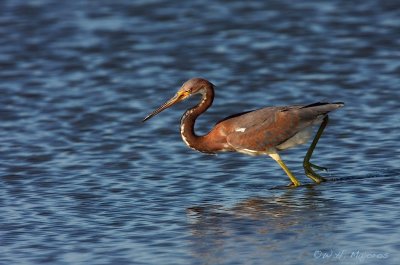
(258, 225)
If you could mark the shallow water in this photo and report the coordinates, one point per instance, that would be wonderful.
(83, 181)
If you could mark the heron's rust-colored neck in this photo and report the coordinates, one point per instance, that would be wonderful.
(199, 143)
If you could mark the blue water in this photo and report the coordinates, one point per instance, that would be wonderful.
(83, 181)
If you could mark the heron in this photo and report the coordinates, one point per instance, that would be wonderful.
(264, 131)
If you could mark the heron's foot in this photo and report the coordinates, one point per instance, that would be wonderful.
(293, 184)
(308, 169)
(314, 166)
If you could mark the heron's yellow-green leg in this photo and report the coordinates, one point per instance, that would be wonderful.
(306, 162)
(318, 167)
(292, 178)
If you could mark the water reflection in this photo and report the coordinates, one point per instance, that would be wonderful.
(258, 224)
(332, 217)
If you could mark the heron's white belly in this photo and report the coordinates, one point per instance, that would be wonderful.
(299, 138)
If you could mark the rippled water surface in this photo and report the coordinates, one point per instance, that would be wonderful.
(83, 181)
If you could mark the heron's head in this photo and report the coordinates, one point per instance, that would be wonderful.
(191, 87)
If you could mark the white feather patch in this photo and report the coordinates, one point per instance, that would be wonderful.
(240, 129)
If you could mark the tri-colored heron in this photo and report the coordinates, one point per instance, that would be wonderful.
(258, 132)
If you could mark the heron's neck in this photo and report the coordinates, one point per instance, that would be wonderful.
(189, 118)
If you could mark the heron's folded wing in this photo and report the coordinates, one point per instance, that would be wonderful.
(267, 129)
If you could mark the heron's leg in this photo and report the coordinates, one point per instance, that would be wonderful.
(292, 178)
(306, 162)
(318, 167)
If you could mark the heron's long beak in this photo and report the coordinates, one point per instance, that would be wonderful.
(177, 98)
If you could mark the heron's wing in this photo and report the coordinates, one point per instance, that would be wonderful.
(264, 129)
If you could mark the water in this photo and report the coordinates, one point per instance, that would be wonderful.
(83, 181)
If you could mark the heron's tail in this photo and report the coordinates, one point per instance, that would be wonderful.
(332, 106)
(312, 111)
